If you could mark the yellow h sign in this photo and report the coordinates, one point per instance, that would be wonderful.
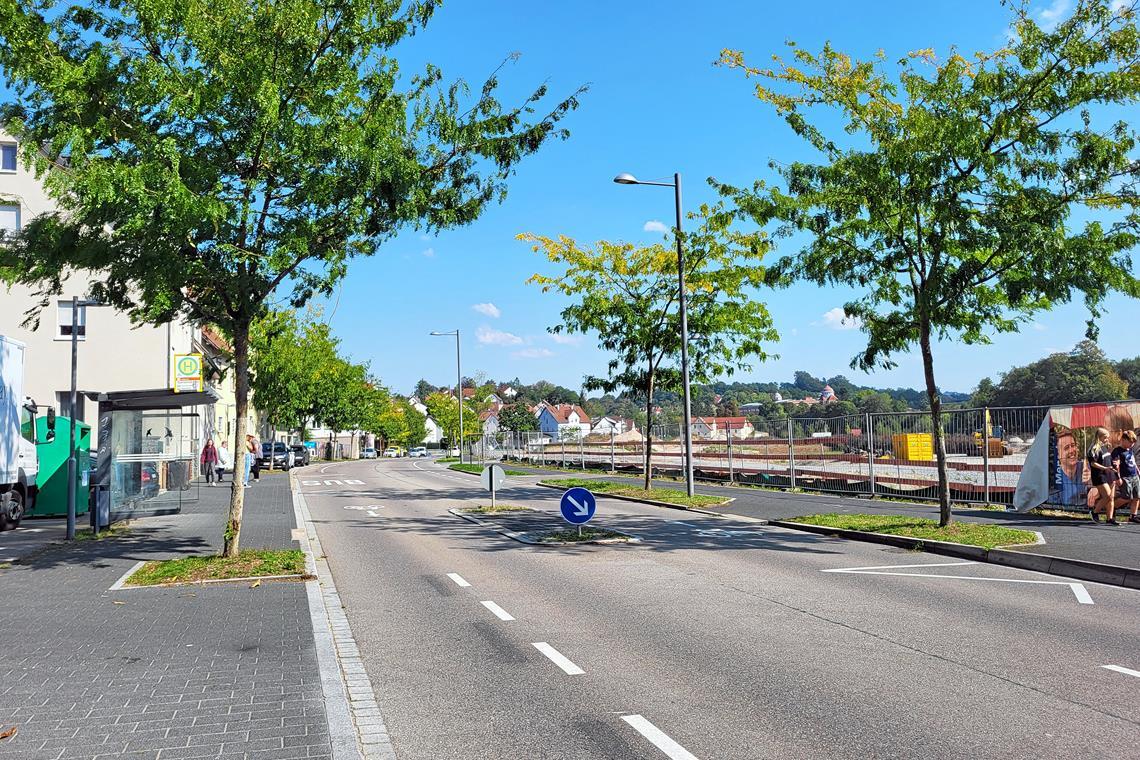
(187, 373)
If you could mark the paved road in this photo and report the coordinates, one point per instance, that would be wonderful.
(1067, 538)
(32, 535)
(728, 639)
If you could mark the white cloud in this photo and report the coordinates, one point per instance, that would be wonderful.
(1050, 17)
(837, 319)
(565, 340)
(489, 337)
(425, 237)
(533, 353)
(429, 253)
(488, 309)
(1039, 327)
(655, 226)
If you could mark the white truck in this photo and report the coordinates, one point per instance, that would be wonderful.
(19, 464)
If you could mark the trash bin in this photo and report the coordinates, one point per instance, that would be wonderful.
(52, 479)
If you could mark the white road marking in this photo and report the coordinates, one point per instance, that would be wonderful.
(558, 659)
(497, 611)
(658, 738)
(354, 482)
(310, 482)
(1078, 589)
(892, 567)
(373, 514)
(1081, 593)
(1125, 671)
(459, 580)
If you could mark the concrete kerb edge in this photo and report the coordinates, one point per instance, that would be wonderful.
(356, 727)
(1111, 575)
(522, 538)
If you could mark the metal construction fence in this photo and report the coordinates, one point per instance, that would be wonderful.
(888, 454)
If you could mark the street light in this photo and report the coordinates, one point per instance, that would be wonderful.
(458, 385)
(71, 463)
(628, 179)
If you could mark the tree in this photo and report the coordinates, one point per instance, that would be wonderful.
(985, 394)
(1082, 375)
(806, 382)
(952, 208)
(414, 423)
(445, 409)
(210, 152)
(517, 418)
(1129, 371)
(285, 356)
(628, 296)
(424, 389)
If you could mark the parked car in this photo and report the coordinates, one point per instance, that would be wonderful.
(301, 455)
(418, 451)
(368, 453)
(392, 452)
(280, 455)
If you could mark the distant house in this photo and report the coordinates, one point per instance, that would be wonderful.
(564, 422)
(612, 425)
(718, 427)
(538, 408)
(827, 395)
(494, 398)
(507, 392)
(490, 420)
(434, 431)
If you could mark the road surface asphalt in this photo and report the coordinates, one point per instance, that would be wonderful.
(712, 638)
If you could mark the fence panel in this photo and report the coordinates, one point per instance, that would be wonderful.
(831, 454)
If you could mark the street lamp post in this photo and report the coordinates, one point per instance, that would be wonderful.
(682, 301)
(71, 463)
(458, 386)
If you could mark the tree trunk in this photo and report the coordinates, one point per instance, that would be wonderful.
(232, 541)
(944, 514)
(649, 435)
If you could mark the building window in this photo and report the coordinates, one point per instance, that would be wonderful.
(63, 322)
(8, 157)
(9, 218)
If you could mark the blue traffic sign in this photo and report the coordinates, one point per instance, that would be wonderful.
(578, 506)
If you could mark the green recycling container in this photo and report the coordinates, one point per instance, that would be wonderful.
(52, 479)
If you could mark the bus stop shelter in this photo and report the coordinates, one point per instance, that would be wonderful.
(148, 443)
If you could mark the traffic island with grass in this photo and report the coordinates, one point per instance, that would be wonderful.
(588, 536)
(252, 563)
(971, 534)
(498, 509)
(664, 495)
(476, 469)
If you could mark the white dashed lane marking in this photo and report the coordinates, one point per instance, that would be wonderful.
(497, 611)
(558, 659)
(458, 580)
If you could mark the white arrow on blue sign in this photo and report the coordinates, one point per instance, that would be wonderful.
(578, 506)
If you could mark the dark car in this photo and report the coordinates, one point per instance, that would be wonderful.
(300, 455)
(281, 455)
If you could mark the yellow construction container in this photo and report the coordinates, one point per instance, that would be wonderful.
(919, 446)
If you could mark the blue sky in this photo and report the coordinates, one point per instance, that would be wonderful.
(656, 105)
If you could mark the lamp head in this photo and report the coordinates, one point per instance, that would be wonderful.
(625, 178)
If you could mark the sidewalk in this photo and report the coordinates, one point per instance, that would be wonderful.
(1068, 539)
(220, 670)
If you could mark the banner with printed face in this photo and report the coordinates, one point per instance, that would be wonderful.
(1056, 470)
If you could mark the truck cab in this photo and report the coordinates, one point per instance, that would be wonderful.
(18, 486)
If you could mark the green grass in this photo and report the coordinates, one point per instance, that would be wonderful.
(475, 469)
(668, 495)
(487, 509)
(249, 563)
(448, 459)
(973, 534)
(570, 536)
(113, 531)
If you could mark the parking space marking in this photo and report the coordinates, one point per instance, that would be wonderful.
(1078, 589)
(558, 659)
(497, 611)
(459, 581)
(658, 738)
(1120, 669)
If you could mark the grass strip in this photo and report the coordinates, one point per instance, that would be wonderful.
(114, 530)
(487, 509)
(249, 563)
(570, 536)
(448, 459)
(476, 469)
(668, 495)
(972, 534)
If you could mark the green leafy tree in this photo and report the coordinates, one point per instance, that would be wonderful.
(628, 296)
(1129, 371)
(1082, 375)
(415, 424)
(952, 206)
(517, 418)
(285, 356)
(985, 394)
(445, 409)
(207, 153)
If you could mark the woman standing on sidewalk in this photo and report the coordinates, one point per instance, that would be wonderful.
(1128, 489)
(1103, 477)
(209, 461)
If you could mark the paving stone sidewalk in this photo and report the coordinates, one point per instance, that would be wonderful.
(222, 670)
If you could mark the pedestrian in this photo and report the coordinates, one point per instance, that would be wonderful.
(1102, 477)
(1128, 488)
(225, 460)
(247, 459)
(209, 461)
(255, 460)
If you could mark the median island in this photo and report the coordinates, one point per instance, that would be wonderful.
(971, 534)
(477, 469)
(611, 488)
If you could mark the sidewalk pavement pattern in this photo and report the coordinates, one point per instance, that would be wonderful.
(1065, 538)
(220, 670)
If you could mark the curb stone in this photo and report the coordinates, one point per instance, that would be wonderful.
(356, 726)
(1095, 572)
